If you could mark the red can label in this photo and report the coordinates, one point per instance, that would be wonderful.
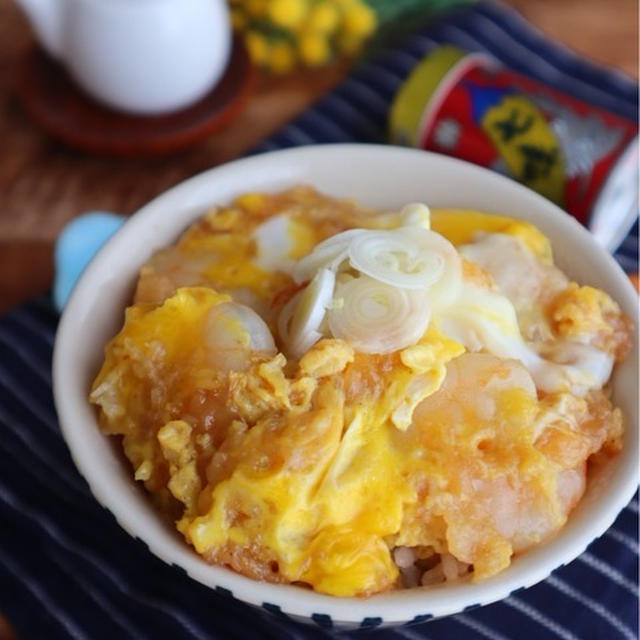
(558, 146)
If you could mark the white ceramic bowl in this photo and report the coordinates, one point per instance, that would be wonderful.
(374, 175)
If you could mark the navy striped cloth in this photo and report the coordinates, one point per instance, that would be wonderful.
(67, 570)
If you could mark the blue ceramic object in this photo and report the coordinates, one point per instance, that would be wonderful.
(78, 242)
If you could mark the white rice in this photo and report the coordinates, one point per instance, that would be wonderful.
(446, 569)
(404, 557)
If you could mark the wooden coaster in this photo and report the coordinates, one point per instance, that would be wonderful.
(70, 115)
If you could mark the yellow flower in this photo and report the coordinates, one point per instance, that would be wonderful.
(323, 17)
(258, 47)
(238, 19)
(282, 57)
(256, 8)
(287, 13)
(314, 48)
(349, 44)
(359, 20)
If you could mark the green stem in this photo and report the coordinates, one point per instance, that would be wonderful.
(390, 10)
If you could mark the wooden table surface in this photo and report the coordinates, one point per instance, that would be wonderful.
(43, 184)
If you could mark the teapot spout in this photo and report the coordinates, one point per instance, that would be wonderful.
(45, 17)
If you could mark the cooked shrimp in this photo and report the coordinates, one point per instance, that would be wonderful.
(167, 271)
(527, 280)
(234, 333)
(170, 363)
(476, 433)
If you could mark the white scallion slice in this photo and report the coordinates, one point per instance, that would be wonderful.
(447, 287)
(328, 254)
(376, 317)
(407, 257)
(300, 320)
(284, 319)
(415, 214)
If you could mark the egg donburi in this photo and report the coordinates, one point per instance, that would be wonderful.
(355, 400)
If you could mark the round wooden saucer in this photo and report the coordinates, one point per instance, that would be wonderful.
(67, 113)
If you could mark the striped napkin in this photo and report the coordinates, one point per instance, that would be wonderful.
(67, 570)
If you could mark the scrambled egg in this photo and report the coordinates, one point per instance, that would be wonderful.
(460, 226)
(314, 471)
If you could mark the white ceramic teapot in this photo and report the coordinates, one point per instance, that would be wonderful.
(141, 56)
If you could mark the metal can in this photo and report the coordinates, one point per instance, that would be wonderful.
(581, 157)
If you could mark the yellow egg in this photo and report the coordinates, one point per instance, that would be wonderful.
(470, 444)
(460, 226)
(579, 311)
(252, 201)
